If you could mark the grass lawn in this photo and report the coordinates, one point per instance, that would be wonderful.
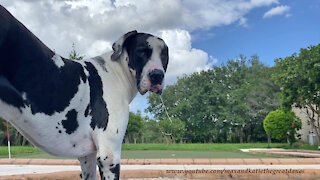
(200, 147)
(166, 151)
(168, 154)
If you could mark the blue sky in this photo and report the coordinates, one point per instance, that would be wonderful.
(269, 38)
(199, 33)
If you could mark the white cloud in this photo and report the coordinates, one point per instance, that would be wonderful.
(183, 58)
(214, 13)
(59, 23)
(93, 25)
(98, 47)
(243, 22)
(279, 10)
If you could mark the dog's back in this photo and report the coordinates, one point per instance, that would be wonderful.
(40, 91)
(8, 93)
(30, 69)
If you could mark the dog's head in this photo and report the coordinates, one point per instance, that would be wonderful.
(147, 59)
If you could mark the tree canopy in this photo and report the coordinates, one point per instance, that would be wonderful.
(224, 104)
(282, 125)
(74, 55)
(299, 78)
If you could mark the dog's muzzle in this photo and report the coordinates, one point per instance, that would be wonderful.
(156, 77)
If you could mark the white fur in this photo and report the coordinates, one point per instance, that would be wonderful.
(58, 61)
(152, 64)
(119, 89)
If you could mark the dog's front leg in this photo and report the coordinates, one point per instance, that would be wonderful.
(108, 143)
(108, 156)
(89, 166)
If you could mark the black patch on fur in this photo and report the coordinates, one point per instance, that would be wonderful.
(139, 53)
(74, 145)
(60, 131)
(101, 173)
(105, 158)
(117, 131)
(99, 162)
(87, 176)
(83, 77)
(27, 64)
(165, 57)
(9, 94)
(101, 62)
(116, 171)
(98, 106)
(70, 124)
(86, 112)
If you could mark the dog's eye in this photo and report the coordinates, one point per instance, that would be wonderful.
(164, 56)
(144, 52)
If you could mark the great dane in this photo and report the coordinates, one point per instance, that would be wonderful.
(76, 108)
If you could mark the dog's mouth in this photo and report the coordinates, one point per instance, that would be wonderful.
(152, 81)
(157, 89)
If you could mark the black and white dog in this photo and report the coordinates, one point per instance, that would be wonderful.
(76, 108)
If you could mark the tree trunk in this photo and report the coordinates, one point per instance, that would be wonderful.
(167, 139)
(24, 140)
(134, 139)
(313, 121)
(126, 140)
(173, 140)
(269, 140)
(252, 127)
(142, 139)
(17, 138)
(241, 134)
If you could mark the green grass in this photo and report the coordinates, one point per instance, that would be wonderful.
(168, 154)
(19, 150)
(200, 147)
(227, 150)
(157, 154)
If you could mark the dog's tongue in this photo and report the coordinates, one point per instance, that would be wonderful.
(157, 89)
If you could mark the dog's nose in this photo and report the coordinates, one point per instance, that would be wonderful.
(156, 76)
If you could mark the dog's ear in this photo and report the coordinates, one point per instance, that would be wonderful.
(118, 45)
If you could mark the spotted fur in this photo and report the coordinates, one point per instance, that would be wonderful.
(76, 108)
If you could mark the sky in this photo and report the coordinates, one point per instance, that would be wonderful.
(200, 34)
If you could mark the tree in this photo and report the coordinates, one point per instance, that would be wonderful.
(262, 96)
(152, 132)
(74, 55)
(135, 127)
(185, 100)
(224, 104)
(299, 78)
(173, 128)
(282, 125)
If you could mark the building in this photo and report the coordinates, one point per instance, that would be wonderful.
(306, 129)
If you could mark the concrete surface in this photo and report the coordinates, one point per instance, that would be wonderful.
(169, 168)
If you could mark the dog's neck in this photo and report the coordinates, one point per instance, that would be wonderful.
(122, 73)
